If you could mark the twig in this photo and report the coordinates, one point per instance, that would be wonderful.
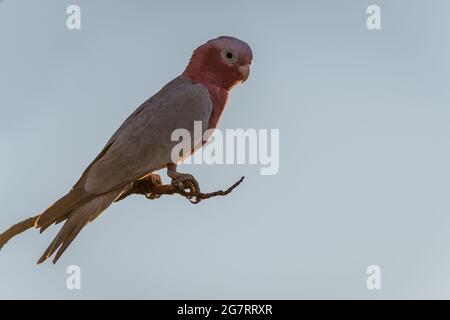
(152, 190)
(17, 229)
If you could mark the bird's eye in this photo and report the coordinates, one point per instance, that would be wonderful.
(229, 56)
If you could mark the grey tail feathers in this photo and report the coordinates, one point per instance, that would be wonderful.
(77, 218)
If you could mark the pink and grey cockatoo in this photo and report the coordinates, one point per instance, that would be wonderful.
(143, 142)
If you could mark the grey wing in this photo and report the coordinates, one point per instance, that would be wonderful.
(143, 143)
(77, 196)
(129, 120)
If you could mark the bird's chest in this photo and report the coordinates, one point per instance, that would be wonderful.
(219, 98)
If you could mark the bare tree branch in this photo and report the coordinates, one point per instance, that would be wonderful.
(153, 190)
(17, 229)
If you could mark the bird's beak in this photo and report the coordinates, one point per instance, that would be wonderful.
(245, 71)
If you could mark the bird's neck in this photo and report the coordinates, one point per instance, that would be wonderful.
(219, 98)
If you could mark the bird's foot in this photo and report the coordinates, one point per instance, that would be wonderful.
(186, 184)
(154, 178)
(145, 186)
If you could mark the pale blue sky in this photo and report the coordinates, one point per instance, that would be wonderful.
(364, 151)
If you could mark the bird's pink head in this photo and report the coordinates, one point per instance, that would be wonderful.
(223, 62)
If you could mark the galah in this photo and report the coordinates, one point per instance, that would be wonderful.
(143, 143)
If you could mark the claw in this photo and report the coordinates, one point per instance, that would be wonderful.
(155, 178)
(186, 184)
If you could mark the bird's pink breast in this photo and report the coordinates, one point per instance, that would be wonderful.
(219, 98)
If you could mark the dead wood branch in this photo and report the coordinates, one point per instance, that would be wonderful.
(152, 190)
(17, 229)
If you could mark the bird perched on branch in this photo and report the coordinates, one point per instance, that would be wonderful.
(143, 143)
